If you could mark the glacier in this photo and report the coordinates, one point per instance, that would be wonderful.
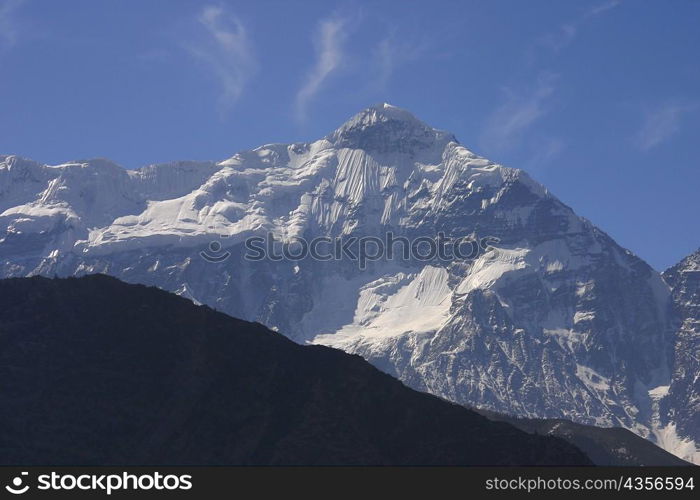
(556, 320)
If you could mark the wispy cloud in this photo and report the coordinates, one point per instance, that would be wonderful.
(519, 111)
(543, 150)
(601, 8)
(567, 32)
(9, 25)
(328, 42)
(524, 106)
(227, 51)
(559, 39)
(385, 55)
(661, 124)
(390, 53)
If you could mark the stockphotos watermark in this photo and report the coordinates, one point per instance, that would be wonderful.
(104, 483)
(359, 249)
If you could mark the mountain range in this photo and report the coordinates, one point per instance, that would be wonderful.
(554, 320)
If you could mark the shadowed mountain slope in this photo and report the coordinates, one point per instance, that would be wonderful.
(604, 445)
(96, 371)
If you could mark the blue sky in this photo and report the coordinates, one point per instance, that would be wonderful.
(598, 100)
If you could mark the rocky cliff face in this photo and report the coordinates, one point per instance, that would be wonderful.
(552, 319)
(681, 403)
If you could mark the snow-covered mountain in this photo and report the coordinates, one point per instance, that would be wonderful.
(681, 402)
(554, 320)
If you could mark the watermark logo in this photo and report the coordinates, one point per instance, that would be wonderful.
(16, 487)
(359, 249)
(215, 253)
(100, 483)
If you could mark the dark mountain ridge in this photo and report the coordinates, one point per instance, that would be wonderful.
(95, 371)
(605, 446)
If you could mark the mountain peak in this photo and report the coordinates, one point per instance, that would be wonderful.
(384, 127)
(391, 112)
(688, 263)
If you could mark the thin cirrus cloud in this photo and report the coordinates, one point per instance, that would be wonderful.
(544, 149)
(604, 7)
(506, 126)
(392, 52)
(523, 107)
(226, 51)
(380, 63)
(567, 32)
(328, 42)
(385, 55)
(661, 124)
(9, 30)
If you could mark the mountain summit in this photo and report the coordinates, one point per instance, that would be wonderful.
(385, 128)
(555, 320)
